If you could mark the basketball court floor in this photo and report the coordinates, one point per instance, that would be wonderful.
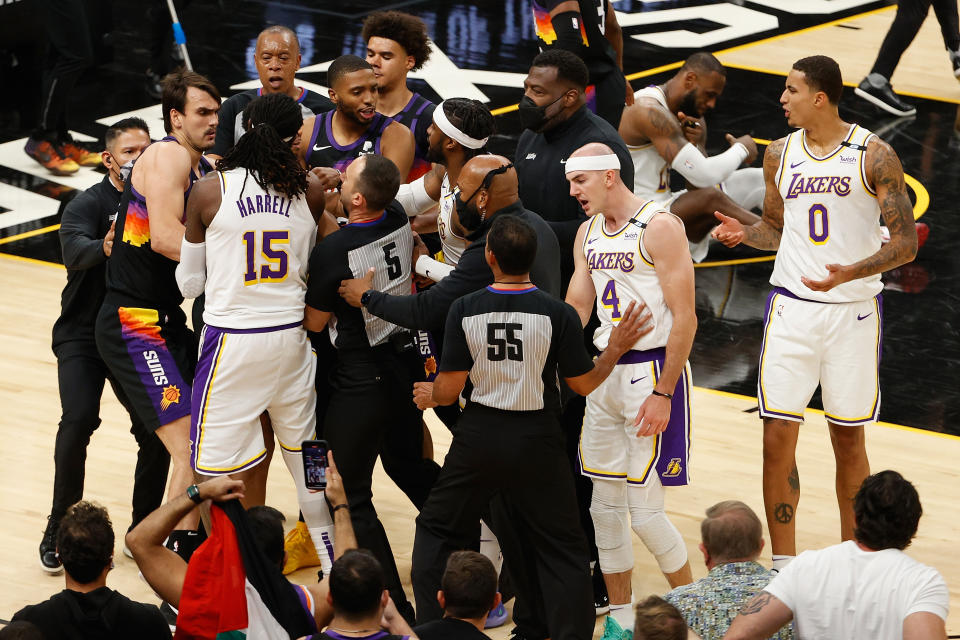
(482, 50)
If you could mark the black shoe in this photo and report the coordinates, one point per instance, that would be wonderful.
(884, 98)
(955, 60)
(49, 560)
(169, 614)
(601, 601)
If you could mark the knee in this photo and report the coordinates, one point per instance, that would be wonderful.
(608, 510)
(660, 536)
(779, 441)
(848, 442)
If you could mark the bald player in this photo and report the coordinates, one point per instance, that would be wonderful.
(665, 129)
(277, 58)
(636, 429)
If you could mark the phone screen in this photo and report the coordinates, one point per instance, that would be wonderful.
(315, 464)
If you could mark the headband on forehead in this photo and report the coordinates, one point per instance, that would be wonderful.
(593, 163)
(440, 119)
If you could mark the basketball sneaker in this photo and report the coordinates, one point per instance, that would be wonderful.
(613, 631)
(50, 157)
(884, 98)
(496, 617)
(300, 550)
(49, 560)
(955, 61)
(83, 157)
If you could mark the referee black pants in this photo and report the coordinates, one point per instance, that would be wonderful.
(514, 464)
(371, 413)
(69, 55)
(906, 25)
(81, 373)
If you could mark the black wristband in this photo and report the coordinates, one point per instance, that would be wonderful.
(341, 506)
(669, 396)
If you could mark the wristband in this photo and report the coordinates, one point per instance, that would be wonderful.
(193, 492)
(668, 396)
(341, 506)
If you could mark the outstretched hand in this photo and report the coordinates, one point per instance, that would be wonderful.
(729, 231)
(635, 323)
(352, 290)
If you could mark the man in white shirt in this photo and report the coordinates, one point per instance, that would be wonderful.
(862, 588)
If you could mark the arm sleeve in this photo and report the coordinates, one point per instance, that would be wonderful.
(567, 27)
(572, 357)
(226, 124)
(192, 269)
(703, 171)
(456, 352)
(413, 197)
(433, 269)
(428, 309)
(82, 249)
(324, 278)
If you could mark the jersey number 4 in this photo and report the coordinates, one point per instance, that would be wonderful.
(274, 268)
(504, 341)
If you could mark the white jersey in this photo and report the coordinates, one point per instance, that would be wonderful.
(651, 173)
(452, 244)
(258, 249)
(830, 216)
(622, 271)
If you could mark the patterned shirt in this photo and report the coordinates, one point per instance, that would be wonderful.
(710, 604)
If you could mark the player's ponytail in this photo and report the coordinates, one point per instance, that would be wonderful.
(273, 122)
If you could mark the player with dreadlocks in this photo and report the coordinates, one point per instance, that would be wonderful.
(257, 214)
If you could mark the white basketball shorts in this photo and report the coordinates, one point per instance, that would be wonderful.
(240, 374)
(836, 346)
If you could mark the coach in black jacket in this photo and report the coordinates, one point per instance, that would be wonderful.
(488, 188)
(86, 237)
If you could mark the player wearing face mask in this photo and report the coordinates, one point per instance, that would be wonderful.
(556, 120)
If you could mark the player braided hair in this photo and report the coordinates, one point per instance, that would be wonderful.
(473, 118)
(272, 122)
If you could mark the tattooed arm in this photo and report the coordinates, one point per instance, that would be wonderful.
(885, 174)
(766, 233)
(760, 618)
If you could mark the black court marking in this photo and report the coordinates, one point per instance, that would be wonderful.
(847, 26)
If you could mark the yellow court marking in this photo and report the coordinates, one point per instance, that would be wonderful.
(889, 425)
(29, 234)
(45, 263)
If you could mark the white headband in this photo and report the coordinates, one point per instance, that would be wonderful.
(440, 119)
(593, 163)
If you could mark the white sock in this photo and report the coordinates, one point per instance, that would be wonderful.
(779, 562)
(490, 546)
(623, 614)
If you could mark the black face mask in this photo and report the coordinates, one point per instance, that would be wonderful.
(534, 117)
(470, 217)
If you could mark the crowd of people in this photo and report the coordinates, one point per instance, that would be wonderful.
(360, 259)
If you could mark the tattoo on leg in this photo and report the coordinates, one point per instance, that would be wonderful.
(794, 479)
(783, 512)
(758, 603)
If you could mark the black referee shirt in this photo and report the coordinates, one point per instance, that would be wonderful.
(230, 126)
(385, 244)
(83, 227)
(428, 309)
(512, 341)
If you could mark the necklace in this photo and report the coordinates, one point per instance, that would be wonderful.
(352, 630)
(502, 282)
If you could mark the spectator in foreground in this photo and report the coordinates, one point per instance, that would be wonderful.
(362, 608)
(731, 541)
(468, 592)
(88, 608)
(865, 588)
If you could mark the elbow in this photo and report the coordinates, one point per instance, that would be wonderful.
(133, 541)
(165, 247)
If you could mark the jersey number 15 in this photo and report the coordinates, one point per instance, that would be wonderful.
(274, 269)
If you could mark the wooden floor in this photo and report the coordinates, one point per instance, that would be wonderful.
(726, 465)
(924, 70)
